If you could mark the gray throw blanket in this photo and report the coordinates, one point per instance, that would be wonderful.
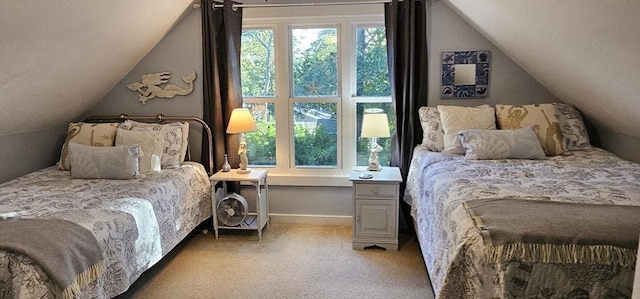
(67, 252)
(556, 232)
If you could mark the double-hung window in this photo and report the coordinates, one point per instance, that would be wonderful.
(308, 81)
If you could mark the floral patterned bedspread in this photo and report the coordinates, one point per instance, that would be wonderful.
(135, 221)
(438, 183)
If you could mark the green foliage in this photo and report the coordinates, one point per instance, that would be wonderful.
(315, 69)
(315, 147)
(262, 145)
(257, 63)
(372, 71)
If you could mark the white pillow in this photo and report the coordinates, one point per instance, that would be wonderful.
(501, 144)
(455, 119)
(111, 162)
(151, 143)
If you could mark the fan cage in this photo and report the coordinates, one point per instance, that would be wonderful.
(232, 210)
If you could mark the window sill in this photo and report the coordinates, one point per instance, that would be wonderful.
(276, 178)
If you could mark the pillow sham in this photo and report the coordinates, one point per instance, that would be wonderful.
(94, 134)
(432, 135)
(501, 144)
(543, 119)
(172, 153)
(574, 133)
(111, 162)
(151, 144)
(455, 119)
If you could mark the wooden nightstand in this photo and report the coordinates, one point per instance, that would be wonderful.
(375, 207)
(256, 220)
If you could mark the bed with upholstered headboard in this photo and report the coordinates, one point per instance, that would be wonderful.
(121, 197)
(512, 201)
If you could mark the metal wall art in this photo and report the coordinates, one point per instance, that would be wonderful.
(465, 74)
(150, 87)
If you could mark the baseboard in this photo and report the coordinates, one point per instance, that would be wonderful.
(311, 219)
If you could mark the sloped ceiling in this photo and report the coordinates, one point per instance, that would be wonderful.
(585, 52)
(58, 58)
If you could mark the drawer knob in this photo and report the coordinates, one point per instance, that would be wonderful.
(375, 191)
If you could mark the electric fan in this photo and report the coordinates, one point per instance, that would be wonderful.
(232, 210)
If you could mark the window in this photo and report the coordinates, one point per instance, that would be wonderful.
(363, 144)
(314, 63)
(373, 90)
(315, 134)
(372, 73)
(257, 64)
(308, 82)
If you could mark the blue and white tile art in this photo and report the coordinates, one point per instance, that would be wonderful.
(450, 59)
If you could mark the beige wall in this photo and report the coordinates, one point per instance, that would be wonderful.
(180, 52)
(508, 83)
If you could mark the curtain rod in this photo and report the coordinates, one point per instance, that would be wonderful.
(306, 4)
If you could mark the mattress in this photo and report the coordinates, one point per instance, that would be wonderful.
(136, 222)
(438, 184)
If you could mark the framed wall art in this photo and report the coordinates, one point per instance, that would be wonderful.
(465, 74)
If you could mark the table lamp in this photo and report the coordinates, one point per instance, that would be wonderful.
(374, 125)
(241, 122)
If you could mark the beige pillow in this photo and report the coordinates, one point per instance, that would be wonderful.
(151, 143)
(174, 143)
(109, 162)
(94, 134)
(543, 119)
(455, 119)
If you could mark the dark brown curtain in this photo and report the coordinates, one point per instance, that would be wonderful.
(406, 27)
(221, 32)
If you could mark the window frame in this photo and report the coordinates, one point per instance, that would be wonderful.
(285, 172)
(356, 99)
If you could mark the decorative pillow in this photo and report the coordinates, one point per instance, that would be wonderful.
(501, 144)
(432, 135)
(173, 143)
(151, 143)
(543, 119)
(455, 119)
(94, 134)
(111, 162)
(574, 133)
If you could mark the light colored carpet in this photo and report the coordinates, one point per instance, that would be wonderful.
(291, 261)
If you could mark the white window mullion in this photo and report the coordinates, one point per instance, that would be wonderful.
(348, 105)
(283, 122)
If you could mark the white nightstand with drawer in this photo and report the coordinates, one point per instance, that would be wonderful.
(375, 206)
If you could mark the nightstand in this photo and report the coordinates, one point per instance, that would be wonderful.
(375, 207)
(257, 220)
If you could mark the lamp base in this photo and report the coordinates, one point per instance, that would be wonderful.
(244, 171)
(374, 167)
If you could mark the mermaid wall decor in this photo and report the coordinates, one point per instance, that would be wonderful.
(151, 86)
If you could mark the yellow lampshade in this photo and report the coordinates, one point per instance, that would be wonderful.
(375, 125)
(241, 121)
